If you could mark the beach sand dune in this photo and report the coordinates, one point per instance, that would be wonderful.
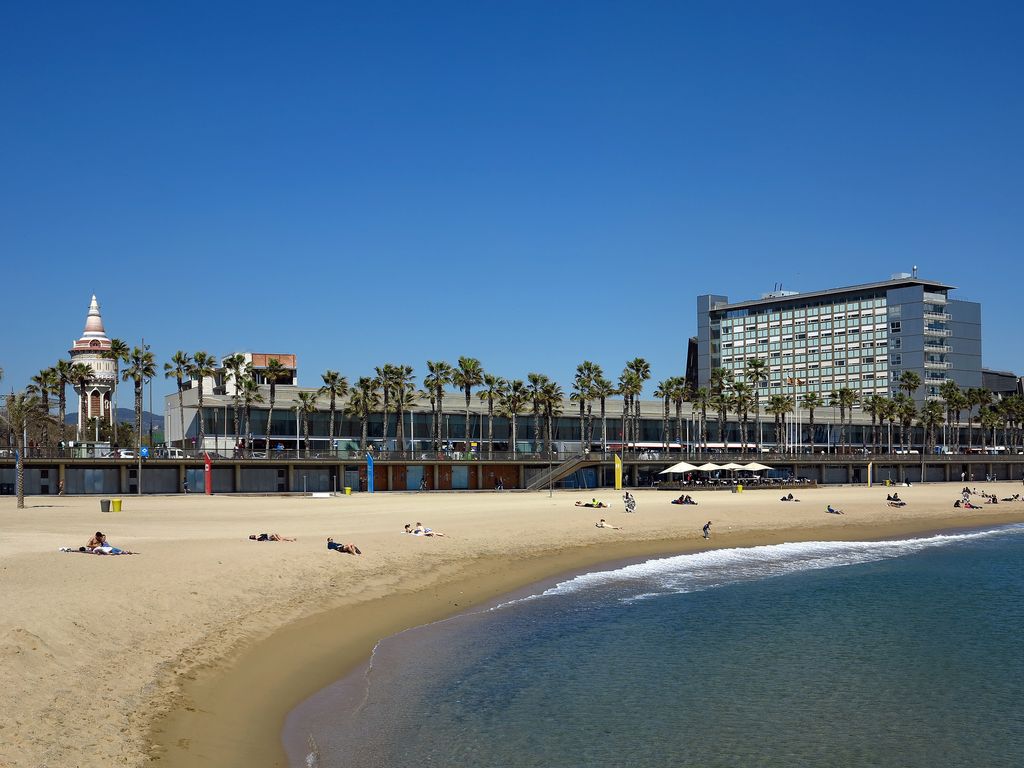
(193, 650)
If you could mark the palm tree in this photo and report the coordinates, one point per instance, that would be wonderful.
(22, 412)
(872, 406)
(273, 373)
(62, 372)
(364, 399)
(630, 387)
(811, 402)
(81, 376)
(931, 417)
(956, 401)
(250, 395)
(551, 400)
(755, 370)
(978, 397)
(491, 392)
(581, 394)
(601, 390)
(888, 412)
(587, 373)
(702, 401)
(537, 382)
(844, 397)
(203, 365)
(140, 369)
(513, 397)
(678, 393)
(335, 386)
(988, 421)
(235, 367)
(178, 369)
(642, 369)
(777, 407)
(439, 376)
(43, 385)
(742, 400)
(909, 382)
(305, 404)
(118, 353)
(385, 378)
(469, 374)
(404, 391)
(906, 410)
(663, 389)
(721, 379)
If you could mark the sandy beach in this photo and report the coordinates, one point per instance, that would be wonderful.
(192, 652)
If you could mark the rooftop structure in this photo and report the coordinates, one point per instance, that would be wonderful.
(89, 349)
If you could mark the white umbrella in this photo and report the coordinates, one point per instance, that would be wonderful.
(682, 466)
(709, 467)
(732, 465)
(755, 467)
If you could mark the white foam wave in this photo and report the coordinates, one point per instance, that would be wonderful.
(706, 570)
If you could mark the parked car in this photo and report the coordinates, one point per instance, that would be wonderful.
(120, 453)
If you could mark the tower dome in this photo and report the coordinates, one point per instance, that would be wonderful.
(91, 350)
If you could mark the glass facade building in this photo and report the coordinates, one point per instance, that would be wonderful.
(862, 337)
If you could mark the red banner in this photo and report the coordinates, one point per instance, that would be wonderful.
(208, 473)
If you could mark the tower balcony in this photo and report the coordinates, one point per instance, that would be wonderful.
(937, 365)
(936, 348)
(935, 298)
(943, 333)
(940, 316)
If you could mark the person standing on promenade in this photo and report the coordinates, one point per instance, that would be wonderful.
(707, 530)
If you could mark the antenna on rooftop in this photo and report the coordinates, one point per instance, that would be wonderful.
(915, 270)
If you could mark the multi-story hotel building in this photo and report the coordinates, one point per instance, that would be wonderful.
(862, 337)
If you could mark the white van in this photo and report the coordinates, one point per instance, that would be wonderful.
(168, 453)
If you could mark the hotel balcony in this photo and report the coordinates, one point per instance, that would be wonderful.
(937, 365)
(944, 333)
(934, 298)
(936, 349)
(940, 316)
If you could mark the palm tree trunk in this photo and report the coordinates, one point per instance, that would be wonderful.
(181, 413)
(305, 431)
(270, 417)
(490, 428)
(330, 429)
(469, 432)
(202, 421)
(138, 417)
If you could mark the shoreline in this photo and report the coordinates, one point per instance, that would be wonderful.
(234, 714)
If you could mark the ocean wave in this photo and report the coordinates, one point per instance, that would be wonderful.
(716, 568)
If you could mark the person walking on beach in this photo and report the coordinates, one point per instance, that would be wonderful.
(707, 530)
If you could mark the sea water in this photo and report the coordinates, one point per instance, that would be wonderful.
(894, 653)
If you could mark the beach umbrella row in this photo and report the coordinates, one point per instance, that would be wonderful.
(710, 467)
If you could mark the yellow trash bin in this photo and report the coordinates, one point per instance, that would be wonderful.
(115, 505)
(739, 489)
(348, 491)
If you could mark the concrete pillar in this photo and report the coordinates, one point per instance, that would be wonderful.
(60, 478)
(437, 476)
(899, 473)
(289, 478)
(479, 477)
(181, 477)
(390, 486)
(238, 477)
(123, 479)
(849, 474)
(522, 477)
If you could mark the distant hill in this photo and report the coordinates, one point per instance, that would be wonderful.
(127, 416)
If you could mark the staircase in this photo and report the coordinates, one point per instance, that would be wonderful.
(564, 469)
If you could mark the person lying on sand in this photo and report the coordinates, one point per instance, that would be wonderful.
(270, 537)
(602, 524)
(832, 511)
(422, 530)
(350, 549)
(1015, 497)
(99, 545)
(965, 505)
(593, 504)
(788, 497)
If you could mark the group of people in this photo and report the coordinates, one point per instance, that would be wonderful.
(420, 530)
(894, 500)
(789, 497)
(685, 498)
(98, 545)
(332, 545)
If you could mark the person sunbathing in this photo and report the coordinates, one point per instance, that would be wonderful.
(789, 497)
(680, 500)
(422, 530)
(98, 545)
(270, 537)
(832, 511)
(350, 549)
(603, 524)
(592, 504)
(1015, 497)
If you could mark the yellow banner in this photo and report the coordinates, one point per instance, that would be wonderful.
(618, 473)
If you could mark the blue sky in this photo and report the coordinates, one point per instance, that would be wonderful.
(529, 183)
